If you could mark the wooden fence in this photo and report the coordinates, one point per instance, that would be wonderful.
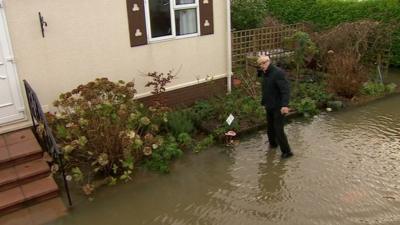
(269, 39)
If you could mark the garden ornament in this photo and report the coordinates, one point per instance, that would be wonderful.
(229, 137)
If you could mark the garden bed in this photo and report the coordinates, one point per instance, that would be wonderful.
(245, 127)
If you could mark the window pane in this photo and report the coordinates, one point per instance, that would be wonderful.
(186, 21)
(182, 2)
(160, 18)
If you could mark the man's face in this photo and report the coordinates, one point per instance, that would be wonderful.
(264, 65)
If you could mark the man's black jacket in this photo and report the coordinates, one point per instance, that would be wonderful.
(275, 88)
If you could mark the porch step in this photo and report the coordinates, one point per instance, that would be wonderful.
(28, 194)
(43, 213)
(18, 147)
(22, 174)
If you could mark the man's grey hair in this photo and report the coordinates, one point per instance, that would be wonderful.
(262, 59)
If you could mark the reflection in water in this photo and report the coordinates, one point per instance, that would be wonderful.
(271, 181)
(345, 171)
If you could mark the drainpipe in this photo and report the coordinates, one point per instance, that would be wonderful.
(229, 45)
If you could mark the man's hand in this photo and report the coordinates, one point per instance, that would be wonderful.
(284, 110)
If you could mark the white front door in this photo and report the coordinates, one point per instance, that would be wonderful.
(11, 105)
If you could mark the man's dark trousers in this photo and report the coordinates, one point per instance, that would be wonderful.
(275, 130)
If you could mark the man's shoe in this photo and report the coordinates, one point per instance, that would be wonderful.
(287, 155)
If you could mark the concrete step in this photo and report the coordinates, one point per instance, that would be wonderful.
(22, 174)
(43, 213)
(28, 194)
(18, 147)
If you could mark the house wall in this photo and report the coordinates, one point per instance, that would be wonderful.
(86, 39)
(90, 38)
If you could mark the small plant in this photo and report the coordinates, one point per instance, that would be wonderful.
(160, 156)
(180, 122)
(306, 106)
(376, 89)
(212, 114)
(204, 143)
(316, 91)
(158, 83)
(185, 140)
(390, 88)
(201, 111)
(249, 83)
(303, 47)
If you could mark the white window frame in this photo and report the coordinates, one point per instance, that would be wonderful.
(173, 8)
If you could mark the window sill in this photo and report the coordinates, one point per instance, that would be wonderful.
(174, 38)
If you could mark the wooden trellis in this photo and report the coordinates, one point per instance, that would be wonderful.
(247, 42)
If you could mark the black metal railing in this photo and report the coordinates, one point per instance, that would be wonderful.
(46, 136)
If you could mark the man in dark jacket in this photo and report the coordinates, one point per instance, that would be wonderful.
(275, 99)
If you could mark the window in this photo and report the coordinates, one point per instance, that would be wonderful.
(153, 20)
(168, 19)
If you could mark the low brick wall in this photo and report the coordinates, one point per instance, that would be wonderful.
(189, 95)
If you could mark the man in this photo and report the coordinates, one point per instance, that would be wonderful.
(275, 99)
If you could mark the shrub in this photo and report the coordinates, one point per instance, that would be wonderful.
(329, 13)
(376, 89)
(316, 91)
(201, 111)
(244, 108)
(98, 123)
(346, 75)
(303, 48)
(180, 122)
(249, 83)
(159, 82)
(367, 40)
(162, 155)
(103, 131)
(306, 106)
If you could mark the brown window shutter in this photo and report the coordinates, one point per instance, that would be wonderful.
(137, 22)
(206, 17)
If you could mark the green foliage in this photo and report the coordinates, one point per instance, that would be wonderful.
(201, 111)
(247, 14)
(180, 122)
(290, 11)
(315, 91)
(377, 89)
(329, 13)
(103, 132)
(303, 47)
(306, 106)
(390, 88)
(77, 174)
(185, 141)
(162, 155)
(244, 108)
(308, 97)
(204, 143)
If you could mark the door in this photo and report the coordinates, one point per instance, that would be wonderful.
(11, 105)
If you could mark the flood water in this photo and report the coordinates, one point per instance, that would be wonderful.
(345, 171)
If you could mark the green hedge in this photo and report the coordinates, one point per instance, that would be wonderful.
(247, 14)
(328, 13)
